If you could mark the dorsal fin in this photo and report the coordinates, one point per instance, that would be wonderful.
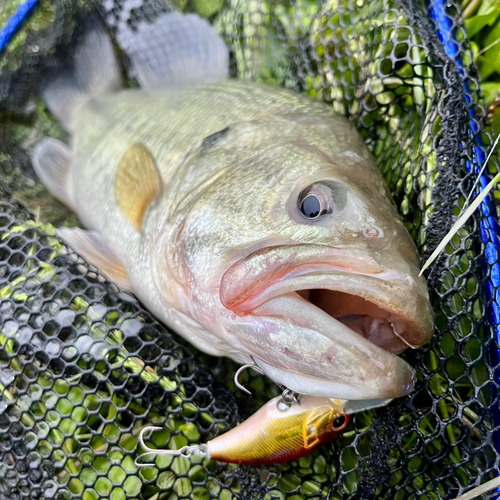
(94, 71)
(175, 50)
(137, 184)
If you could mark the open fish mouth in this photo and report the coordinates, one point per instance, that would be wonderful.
(380, 326)
(369, 314)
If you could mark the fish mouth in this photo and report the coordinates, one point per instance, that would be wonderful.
(372, 313)
(379, 326)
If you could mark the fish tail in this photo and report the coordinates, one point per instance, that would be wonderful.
(177, 50)
(94, 70)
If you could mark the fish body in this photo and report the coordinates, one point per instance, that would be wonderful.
(250, 219)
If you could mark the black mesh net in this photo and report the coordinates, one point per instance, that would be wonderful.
(83, 368)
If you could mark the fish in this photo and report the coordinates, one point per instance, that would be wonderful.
(250, 219)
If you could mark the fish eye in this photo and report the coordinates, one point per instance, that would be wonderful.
(318, 199)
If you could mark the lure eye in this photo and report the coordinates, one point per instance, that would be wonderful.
(320, 199)
(340, 422)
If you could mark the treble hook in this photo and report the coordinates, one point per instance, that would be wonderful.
(240, 369)
(185, 451)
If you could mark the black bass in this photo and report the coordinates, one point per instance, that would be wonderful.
(250, 219)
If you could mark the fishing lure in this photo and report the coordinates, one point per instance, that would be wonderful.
(284, 429)
(288, 427)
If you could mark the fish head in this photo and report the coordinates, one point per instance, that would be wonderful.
(290, 248)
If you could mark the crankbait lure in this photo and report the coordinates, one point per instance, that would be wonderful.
(288, 427)
(284, 429)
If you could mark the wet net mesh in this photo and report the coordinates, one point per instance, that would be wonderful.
(83, 367)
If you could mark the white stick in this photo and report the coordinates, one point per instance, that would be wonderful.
(480, 490)
(460, 222)
(478, 178)
(462, 219)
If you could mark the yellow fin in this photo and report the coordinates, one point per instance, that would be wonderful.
(137, 184)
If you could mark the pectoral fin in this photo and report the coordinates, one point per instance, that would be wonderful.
(137, 184)
(94, 250)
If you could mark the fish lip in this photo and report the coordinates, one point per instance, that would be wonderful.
(379, 373)
(284, 262)
(331, 268)
(304, 383)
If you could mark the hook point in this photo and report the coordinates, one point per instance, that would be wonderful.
(237, 374)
